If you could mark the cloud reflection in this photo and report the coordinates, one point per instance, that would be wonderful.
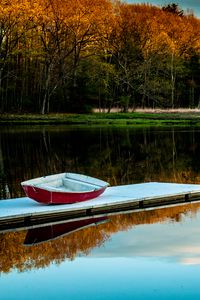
(191, 261)
(174, 241)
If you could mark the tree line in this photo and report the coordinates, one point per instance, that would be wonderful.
(71, 56)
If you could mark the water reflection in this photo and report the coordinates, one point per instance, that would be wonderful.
(117, 155)
(169, 232)
(43, 234)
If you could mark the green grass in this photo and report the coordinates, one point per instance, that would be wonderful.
(135, 118)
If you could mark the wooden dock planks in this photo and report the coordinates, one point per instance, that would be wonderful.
(24, 211)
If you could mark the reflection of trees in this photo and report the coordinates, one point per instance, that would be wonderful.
(118, 155)
(13, 253)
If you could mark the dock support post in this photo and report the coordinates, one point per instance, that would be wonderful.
(141, 204)
(187, 198)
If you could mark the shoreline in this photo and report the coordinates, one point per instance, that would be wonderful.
(180, 117)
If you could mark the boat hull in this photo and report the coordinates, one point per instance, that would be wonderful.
(50, 197)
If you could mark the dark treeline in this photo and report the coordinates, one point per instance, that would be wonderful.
(62, 55)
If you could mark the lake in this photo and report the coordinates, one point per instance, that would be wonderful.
(153, 254)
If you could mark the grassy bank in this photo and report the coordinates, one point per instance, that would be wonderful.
(135, 118)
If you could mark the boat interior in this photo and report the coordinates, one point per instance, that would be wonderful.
(68, 184)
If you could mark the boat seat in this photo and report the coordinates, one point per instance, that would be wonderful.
(67, 185)
(74, 185)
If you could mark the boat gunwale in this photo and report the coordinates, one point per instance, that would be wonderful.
(45, 187)
(57, 190)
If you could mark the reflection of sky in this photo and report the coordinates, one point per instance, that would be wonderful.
(193, 5)
(103, 278)
(178, 242)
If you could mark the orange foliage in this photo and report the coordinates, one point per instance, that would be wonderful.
(88, 20)
(156, 30)
(60, 34)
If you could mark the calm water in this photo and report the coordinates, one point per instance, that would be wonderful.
(120, 156)
(140, 255)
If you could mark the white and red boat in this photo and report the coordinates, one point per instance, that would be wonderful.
(64, 188)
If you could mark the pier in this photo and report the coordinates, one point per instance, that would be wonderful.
(22, 212)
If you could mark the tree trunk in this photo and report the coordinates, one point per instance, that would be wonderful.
(45, 102)
(173, 78)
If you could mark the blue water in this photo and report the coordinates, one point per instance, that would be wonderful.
(151, 261)
(105, 278)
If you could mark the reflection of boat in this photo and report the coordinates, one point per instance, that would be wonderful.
(64, 188)
(42, 234)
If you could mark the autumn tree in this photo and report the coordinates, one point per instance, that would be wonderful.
(174, 9)
(52, 51)
(150, 47)
(74, 33)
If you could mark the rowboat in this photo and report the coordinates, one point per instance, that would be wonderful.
(64, 188)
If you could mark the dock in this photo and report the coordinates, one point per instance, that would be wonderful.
(22, 212)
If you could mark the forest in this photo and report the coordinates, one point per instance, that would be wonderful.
(73, 56)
